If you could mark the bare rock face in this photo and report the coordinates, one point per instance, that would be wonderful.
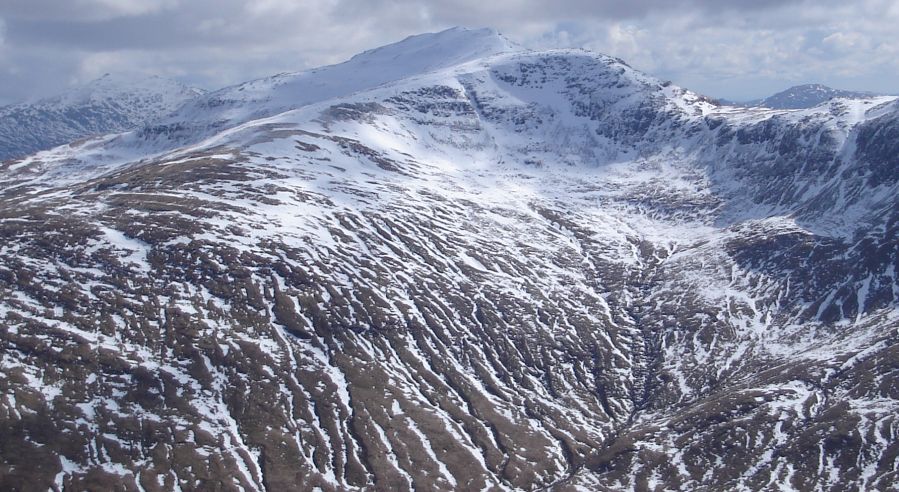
(517, 271)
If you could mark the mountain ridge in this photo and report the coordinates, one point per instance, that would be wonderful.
(413, 55)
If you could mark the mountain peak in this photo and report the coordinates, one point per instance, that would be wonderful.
(812, 87)
(440, 49)
(131, 81)
(414, 55)
(807, 96)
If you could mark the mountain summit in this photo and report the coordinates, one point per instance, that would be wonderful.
(450, 264)
(807, 96)
(413, 56)
(424, 52)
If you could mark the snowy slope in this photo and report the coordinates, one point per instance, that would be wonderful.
(491, 269)
(266, 97)
(112, 103)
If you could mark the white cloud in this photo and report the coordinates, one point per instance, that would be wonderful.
(278, 7)
(846, 42)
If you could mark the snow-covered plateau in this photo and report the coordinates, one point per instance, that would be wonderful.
(454, 264)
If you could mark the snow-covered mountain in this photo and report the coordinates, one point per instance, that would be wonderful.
(451, 264)
(110, 104)
(807, 96)
(256, 99)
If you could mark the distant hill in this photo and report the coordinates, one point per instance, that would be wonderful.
(110, 104)
(804, 96)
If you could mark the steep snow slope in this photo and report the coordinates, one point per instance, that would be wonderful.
(107, 105)
(527, 270)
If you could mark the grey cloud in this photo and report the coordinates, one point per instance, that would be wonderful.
(131, 33)
(529, 10)
(75, 10)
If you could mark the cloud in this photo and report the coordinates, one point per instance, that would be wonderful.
(729, 48)
(77, 10)
(844, 42)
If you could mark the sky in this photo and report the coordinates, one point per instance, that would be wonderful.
(733, 49)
